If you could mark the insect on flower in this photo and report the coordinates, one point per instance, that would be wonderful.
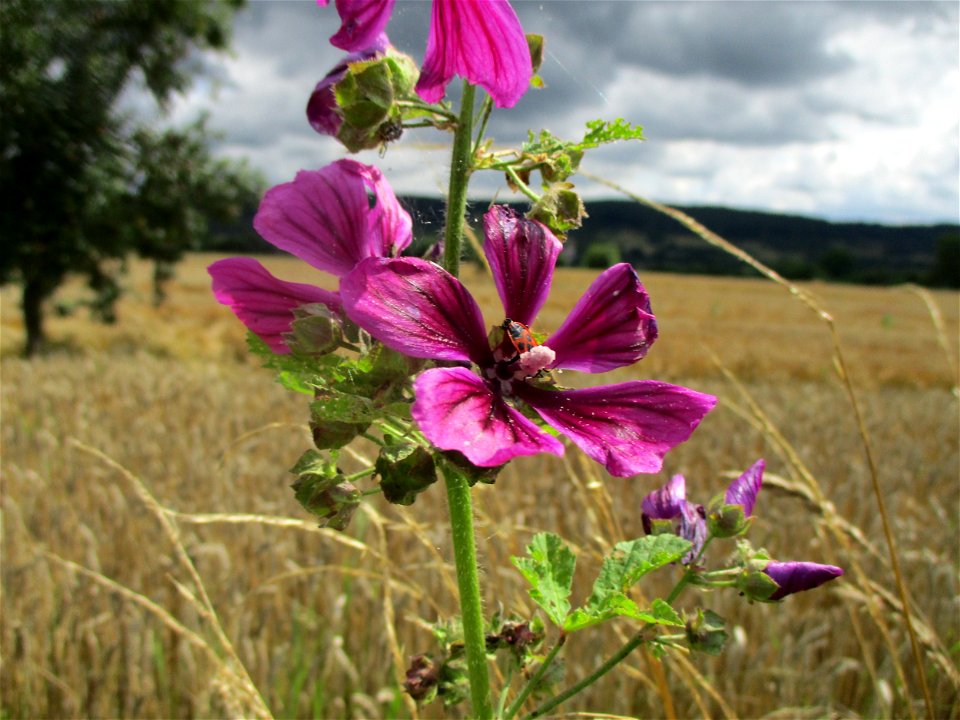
(518, 337)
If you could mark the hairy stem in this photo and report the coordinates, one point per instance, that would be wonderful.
(468, 582)
(461, 165)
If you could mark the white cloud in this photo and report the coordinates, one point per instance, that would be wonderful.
(847, 111)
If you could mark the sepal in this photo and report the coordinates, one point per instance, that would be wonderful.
(366, 98)
(756, 585)
(405, 471)
(726, 521)
(705, 632)
(322, 490)
(314, 331)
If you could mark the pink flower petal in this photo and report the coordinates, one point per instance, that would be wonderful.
(667, 502)
(522, 255)
(743, 491)
(417, 308)
(795, 576)
(481, 41)
(363, 21)
(628, 427)
(610, 326)
(264, 303)
(324, 217)
(456, 410)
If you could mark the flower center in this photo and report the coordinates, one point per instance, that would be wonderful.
(517, 353)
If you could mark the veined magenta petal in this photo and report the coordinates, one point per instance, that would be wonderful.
(363, 21)
(522, 255)
(456, 410)
(667, 502)
(743, 491)
(388, 224)
(324, 217)
(794, 577)
(612, 325)
(481, 41)
(417, 308)
(627, 427)
(692, 527)
(263, 302)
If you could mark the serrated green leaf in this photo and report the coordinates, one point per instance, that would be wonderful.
(549, 570)
(630, 561)
(600, 132)
(341, 407)
(665, 614)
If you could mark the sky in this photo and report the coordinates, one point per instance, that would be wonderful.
(844, 111)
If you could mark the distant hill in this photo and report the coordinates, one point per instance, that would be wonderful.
(797, 247)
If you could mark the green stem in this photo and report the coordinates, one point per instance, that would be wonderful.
(433, 109)
(461, 164)
(468, 581)
(521, 185)
(360, 475)
(642, 636)
(688, 575)
(484, 118)
(528, 688)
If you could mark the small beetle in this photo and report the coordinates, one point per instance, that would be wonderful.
(519, 337)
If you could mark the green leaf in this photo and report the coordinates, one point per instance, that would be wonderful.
(630, 561)
(341, 407)
(665, 614)
(549, 570)
(600, 132)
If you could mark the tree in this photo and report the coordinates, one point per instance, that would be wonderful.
(69, 177)
(178, 190)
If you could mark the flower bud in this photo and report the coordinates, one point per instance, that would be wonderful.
(705, 632)
(726, 520)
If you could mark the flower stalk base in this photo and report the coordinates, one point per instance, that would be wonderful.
(468, 583)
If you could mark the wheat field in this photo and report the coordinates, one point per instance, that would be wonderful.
(155, 563)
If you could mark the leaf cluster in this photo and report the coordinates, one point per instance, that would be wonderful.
(549, 569)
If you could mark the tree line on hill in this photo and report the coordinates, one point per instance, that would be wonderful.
(799, 248)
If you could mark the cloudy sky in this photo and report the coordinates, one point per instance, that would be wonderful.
(847, 111)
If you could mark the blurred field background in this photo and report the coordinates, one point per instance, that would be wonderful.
(166, 405)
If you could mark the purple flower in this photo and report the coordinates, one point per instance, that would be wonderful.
(794, 577)
(743, 491)
(362, 23)
(326, 218)
(322, 106)
(417, 308)
(480, 40)
(669, 505)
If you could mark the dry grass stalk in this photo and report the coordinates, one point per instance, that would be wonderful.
(717, 241)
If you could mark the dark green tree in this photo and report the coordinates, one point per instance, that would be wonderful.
(946, 263)
(69, 174)
(601, 255)
(178, 190)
